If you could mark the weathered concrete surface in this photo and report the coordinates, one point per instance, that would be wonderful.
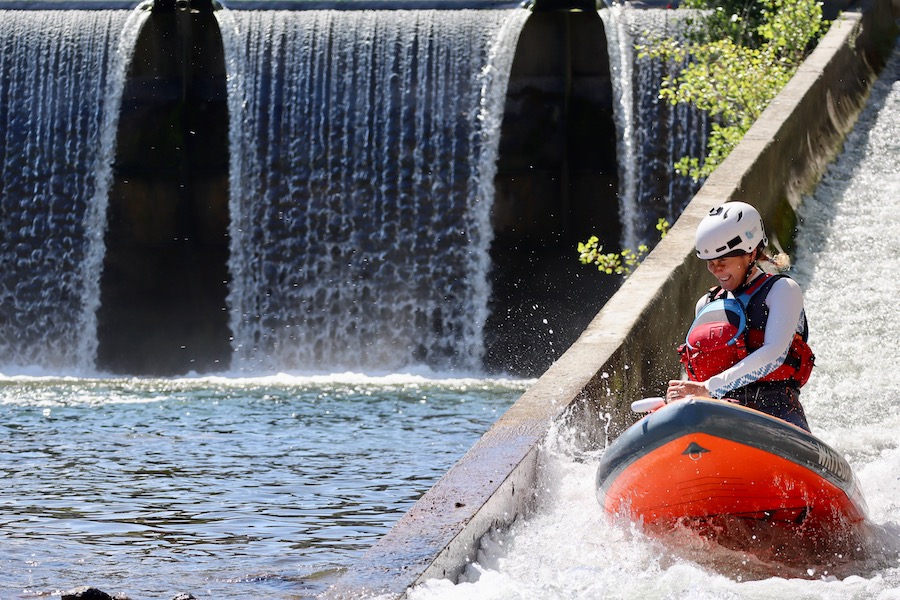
(627, 350)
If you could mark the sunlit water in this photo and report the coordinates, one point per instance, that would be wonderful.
(220, 487)
(847, 264)
(238, 487)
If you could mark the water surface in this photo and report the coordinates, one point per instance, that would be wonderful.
(222, 487)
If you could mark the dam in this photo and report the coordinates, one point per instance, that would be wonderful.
(456, 532)
(567, 549)
(251, 369)
(184, 398)
(223, 220)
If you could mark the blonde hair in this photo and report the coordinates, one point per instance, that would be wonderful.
(781, 261)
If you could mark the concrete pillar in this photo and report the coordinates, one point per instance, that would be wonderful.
(165, 275)
(556, 183)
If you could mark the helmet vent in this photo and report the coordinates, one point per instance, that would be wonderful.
(724, 211)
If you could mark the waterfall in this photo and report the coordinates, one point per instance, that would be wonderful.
(363, 149)
(61, 76)
(652, 135)
(621, 59)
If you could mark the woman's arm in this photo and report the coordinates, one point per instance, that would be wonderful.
(785, 303)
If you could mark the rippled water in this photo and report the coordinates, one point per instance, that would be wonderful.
(847, 264)
(221, 487)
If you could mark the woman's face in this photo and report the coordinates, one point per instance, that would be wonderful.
(730, 271)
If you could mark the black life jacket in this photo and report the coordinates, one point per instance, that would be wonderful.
(727, 329)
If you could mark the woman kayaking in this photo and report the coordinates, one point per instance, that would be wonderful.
(748, 341)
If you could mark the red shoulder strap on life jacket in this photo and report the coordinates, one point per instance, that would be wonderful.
(757, 283)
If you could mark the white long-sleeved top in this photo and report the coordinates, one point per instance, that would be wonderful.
(785, 304)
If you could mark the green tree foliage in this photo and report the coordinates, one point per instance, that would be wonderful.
(712, 20)
(738, 54)
(619, 263)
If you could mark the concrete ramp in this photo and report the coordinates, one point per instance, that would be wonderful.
(627, 351)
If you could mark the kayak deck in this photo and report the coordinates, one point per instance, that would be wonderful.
(724, 469)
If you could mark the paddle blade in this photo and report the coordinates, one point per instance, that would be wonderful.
(647, 404)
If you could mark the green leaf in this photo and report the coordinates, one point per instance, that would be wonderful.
(735, 59)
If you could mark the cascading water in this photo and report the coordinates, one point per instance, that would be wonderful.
(652, 135)
(363, 147)
(61, 77)
(621, 66)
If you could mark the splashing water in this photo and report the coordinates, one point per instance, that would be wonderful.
(846, 265)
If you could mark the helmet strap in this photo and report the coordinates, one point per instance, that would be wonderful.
(750, 267)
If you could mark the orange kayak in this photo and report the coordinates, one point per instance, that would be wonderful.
(728, 471)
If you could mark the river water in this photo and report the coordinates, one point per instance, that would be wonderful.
(847, 264)
(266, 487)
(246, 486)
(223, 487)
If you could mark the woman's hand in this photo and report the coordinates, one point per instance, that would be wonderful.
(679, 389)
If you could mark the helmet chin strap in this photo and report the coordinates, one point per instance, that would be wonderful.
(749, 272)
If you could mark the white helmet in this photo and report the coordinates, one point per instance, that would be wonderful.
(730, 229)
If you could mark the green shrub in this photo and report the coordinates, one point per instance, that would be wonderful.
(618, 263)
(737, 56)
